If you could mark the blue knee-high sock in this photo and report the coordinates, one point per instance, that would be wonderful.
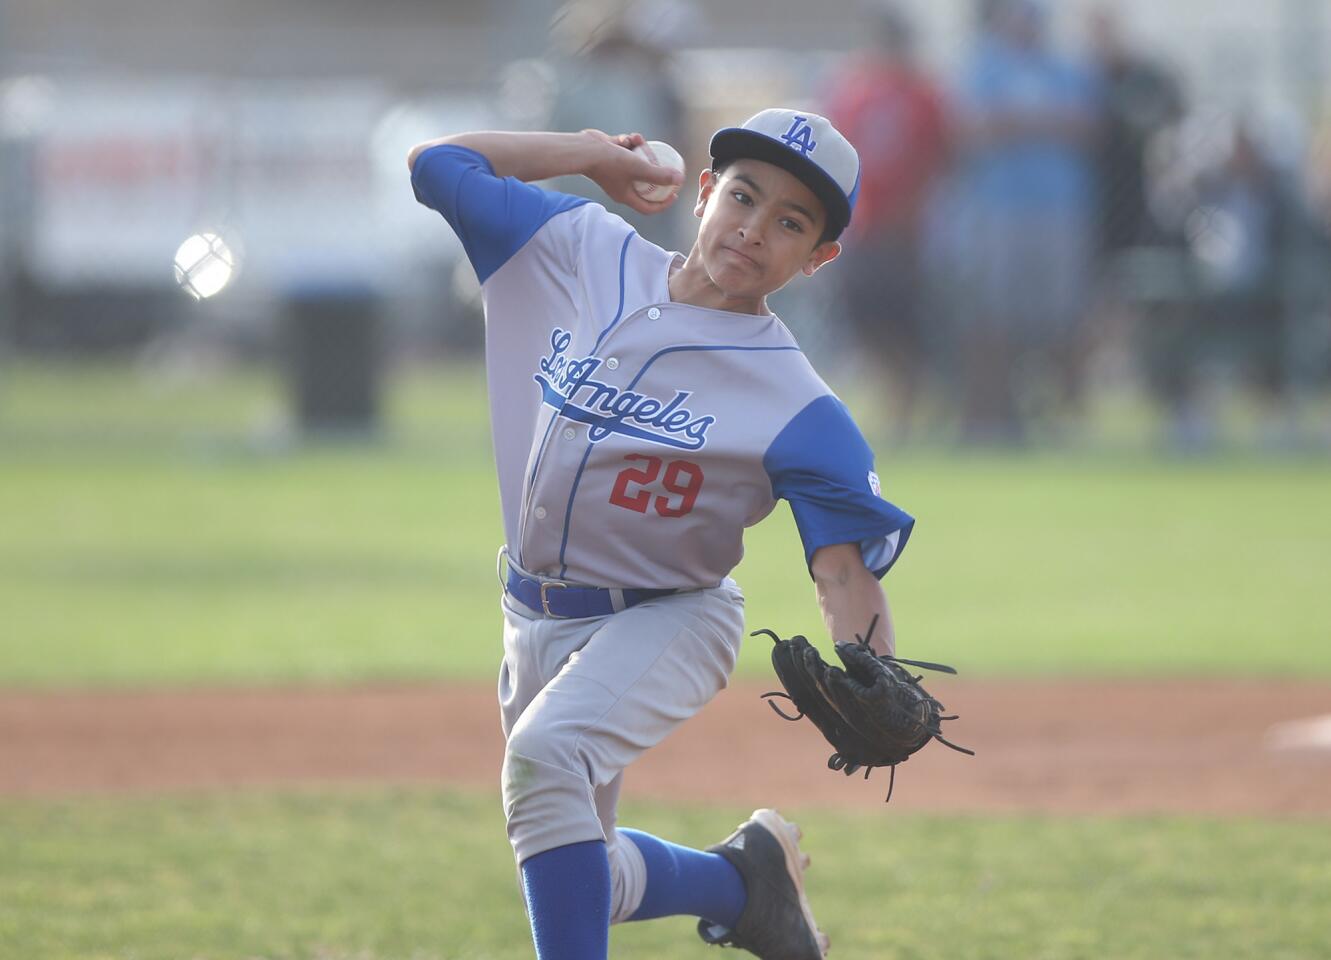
(568, 901)
(681, 880)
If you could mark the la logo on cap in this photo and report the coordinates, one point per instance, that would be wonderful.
(800, 136)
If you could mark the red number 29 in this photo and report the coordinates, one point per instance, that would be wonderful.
(681, 477)
(619, 495)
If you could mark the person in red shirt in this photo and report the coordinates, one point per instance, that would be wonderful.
(894, 115)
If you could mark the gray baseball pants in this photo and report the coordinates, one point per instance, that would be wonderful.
(582, 699)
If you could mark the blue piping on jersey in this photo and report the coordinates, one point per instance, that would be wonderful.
(623, 259)
(577, 478)
(557, 400)
(661, 353)
(526, 500)
(568, 511)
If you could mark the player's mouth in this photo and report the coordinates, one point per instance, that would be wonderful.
(743, 257)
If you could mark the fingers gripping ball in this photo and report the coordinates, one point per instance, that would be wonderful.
(873, 712)
(664, 155)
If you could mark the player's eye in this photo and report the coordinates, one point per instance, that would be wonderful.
(742, 197)
(790, 224)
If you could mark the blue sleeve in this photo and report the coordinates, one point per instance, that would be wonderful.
(822, 465)
(492, 216)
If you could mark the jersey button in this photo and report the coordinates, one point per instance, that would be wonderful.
(612, 363)
(540, 513)
(654, 314)
(569, 433)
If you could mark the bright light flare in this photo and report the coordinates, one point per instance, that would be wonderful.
(204, 265)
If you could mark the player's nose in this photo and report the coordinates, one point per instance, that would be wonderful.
(751, 232)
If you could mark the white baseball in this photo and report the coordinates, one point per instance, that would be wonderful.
(664, 155)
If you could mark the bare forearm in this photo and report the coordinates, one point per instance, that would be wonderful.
(850, 596)
(527, 156)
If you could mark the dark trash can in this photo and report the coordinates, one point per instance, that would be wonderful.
(332, 351)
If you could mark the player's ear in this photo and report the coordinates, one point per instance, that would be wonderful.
(706, 184)
(822, 254)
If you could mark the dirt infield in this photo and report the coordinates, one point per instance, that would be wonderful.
(1214, 747)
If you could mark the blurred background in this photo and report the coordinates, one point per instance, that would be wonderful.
(1081, 224)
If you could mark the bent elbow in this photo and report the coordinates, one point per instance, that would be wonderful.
(837, 565)
(414, 153)
(460, 139)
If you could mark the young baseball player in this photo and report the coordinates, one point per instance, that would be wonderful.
(646, 407)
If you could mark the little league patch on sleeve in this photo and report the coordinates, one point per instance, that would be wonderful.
(874, 485)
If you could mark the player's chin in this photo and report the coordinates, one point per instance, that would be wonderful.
(736, 287)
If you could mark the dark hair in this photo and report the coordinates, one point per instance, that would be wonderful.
(719, 167)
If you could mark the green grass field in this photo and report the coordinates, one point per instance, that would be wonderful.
(157, 530)
(414, 875)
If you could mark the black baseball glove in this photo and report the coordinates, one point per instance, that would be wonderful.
(874, 713)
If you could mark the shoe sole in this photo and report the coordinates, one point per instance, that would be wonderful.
(788, 835)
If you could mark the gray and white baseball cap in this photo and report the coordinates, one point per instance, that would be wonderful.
(805, 145)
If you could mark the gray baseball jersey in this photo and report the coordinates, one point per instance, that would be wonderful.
(636, 437)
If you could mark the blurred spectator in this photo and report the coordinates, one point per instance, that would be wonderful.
(1318, 176)
(1242, 232)
(1138, 99)
(1314, 281)
(618, 76)
(893, 114)
(1027, 125)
